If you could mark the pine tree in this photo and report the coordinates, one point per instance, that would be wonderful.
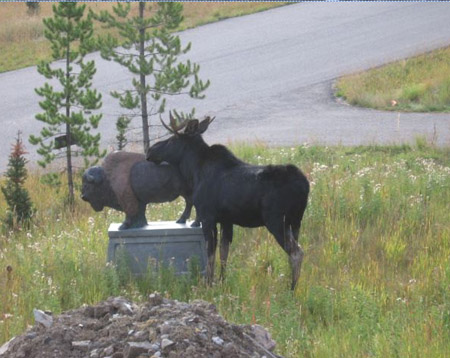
(150, 52)
(68, 108)
(20, 208)
(122, 126)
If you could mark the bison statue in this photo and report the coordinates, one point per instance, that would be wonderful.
(127, 182)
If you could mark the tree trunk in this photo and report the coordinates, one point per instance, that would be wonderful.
(145, 124)
(68, 131)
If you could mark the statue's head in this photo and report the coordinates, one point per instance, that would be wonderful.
(93, 191)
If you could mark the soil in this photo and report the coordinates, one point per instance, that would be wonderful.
(118, 328)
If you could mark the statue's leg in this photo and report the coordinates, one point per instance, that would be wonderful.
(135, 221)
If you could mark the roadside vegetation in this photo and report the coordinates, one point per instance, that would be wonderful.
(418, 84)
(22, 39)
(376, 274)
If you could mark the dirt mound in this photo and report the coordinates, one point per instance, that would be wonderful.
(118, 328)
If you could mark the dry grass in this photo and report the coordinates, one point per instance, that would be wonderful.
(419, 84)
(21, 35)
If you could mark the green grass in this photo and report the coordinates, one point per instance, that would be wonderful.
(376, 274)
(418, 84)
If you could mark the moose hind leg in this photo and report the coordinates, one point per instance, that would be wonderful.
(285, 237)
(225, 241)
(210, 233)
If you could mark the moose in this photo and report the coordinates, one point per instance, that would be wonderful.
(127, 182)
(231, 192)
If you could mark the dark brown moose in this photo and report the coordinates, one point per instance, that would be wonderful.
(127, 182)
(228, 191)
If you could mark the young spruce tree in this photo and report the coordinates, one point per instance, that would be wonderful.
(67, 109)
(150, 52)
(20, 209)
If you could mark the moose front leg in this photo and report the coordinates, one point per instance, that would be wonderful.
(210, 233)
(187, 213)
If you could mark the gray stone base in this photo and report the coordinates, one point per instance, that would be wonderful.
(164, 242)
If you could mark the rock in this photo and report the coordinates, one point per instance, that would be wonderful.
(43, 318)
(31, 335)
(217, 340)
(262, 336)
(230, 350)
(166, 343)
(81, 345)
(134, 349)
(155, 299)
(5, 346)
(166, 328)
(155, 347)
(97, 311)
(140, 335)
(109, 351)
(122, 305)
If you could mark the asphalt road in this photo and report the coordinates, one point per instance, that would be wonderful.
(271, 76)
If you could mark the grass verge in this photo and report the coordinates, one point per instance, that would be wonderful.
(418, 84)
(376, 274)
(22, 42)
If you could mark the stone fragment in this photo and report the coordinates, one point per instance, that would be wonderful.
(108, 351)
(31, 335)
(262, 336)
(43, 318)
(122, 305)
(166, 328)
(155, 299)
(97, 311)
(217, 340)
(81, 345)
(140, 335)
(135, 349)
(5, 346)
(230, 350)
(166, 343)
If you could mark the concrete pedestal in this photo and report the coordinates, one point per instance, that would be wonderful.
(163, 242)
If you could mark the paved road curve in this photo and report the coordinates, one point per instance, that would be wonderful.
(272, 74)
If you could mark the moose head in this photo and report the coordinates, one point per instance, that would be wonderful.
(172, 149)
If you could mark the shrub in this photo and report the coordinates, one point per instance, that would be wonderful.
(20, 208)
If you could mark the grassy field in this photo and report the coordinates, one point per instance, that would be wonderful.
(21, 35)
(376, 274)
(418, 84)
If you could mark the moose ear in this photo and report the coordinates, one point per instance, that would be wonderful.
(203, 125)
(191, 127)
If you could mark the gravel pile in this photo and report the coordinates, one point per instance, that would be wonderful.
(118, 328)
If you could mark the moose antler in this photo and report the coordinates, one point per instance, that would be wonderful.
(203, 125)
(192, 126)
(175, 126)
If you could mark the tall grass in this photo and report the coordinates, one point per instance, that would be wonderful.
(22, 41)
(376, 274)
(419, 84)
